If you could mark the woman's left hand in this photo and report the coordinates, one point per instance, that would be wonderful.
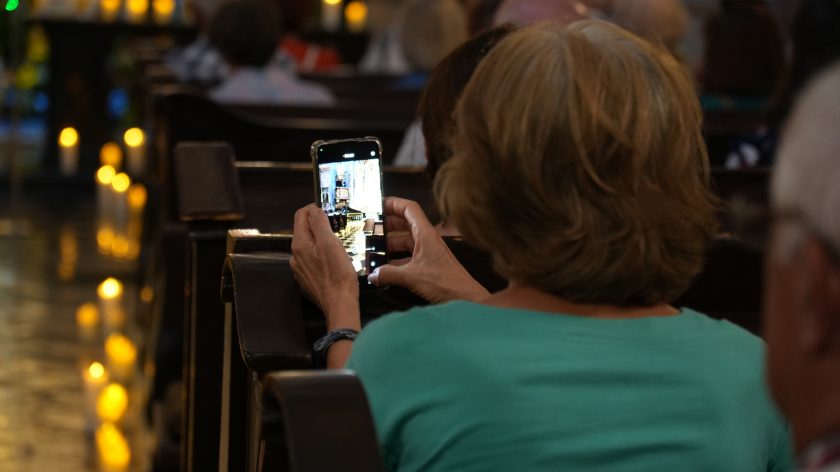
(323, 269)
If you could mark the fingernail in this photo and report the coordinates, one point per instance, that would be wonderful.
(373, 278)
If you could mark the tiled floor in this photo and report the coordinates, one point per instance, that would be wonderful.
(44, 276)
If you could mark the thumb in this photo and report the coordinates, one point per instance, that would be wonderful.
(386, 275)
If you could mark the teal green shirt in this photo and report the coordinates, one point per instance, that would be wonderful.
(468, 387)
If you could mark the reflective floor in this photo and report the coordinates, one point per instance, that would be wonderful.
(49, 266)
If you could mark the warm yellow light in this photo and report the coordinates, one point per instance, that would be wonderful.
(137, 196)
(112, 402)
(68, 137)
(111, 155)
(96, 371)
(110, 288)
(104, 239)
(120, 349)
(121, 182)
(163, 8)
(120, 246)
(356, 12)
(87, 314)
(332, 2)
(105, 174)
(134, 136)
(114, 452)
(137, 7)
(147, 294)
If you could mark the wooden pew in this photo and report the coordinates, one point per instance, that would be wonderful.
(261, 195)
(323, 420)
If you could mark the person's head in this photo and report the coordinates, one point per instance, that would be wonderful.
(815, 41)
(586, 174)
(744, 53)
(481, 14)
(431, 30)
(529, 12)
(440, 95)
(246, 32)
(664, 21)
(802, 292)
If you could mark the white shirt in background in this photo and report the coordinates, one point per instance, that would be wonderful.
(269, 86)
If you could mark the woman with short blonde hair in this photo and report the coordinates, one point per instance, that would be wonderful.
(579, 164)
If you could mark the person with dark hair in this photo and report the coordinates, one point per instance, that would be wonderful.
(744, 56)
(246, 34)
(480, 14)
(815, 45)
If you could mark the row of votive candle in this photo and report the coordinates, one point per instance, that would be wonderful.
(111, 153)
(106, 405)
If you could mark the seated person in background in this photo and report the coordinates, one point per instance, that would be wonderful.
(246, 33)
(418, 35)
(662, 21)
(309, 57)
(427, 140)
(579, 163)
(528, 12)
(198, 63)
(802, 297)
(815, 45)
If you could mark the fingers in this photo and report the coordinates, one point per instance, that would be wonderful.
(387, 275)
(400, 241)
(302, 233)
(411, 212)
(319, 224)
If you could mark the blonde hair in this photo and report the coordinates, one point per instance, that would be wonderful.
(580, 164)
(431, 30)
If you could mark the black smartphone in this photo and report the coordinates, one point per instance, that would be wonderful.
(348, 187)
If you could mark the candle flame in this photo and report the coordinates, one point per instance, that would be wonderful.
(68, 137)
(134, 137)
(120, 349)
(332, 2)
(112, 402)
(137, 196)
(87, 314)
(356, 12)
(96, 370)
(121, 182)
(110, 288)
(114, 452)
(109, 6)
(105, 174)
(111, 155)
(163, 8)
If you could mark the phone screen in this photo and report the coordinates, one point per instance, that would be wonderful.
(349, 179)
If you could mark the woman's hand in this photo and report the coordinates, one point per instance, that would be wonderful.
(324, 270)
(432, 272)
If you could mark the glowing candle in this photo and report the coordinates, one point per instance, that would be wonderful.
(121, 354)
(110, 293)
(137, 197)
(330, 15)
(163, 10)
(109, 9)
(113, 450)
(95, 377)
(104, 239)
(68, 254)
(120, 185)
(355, 16)
(87, 321)
(104, 194)
(135, 150)
(112, 403)
(68, 143)
(111, 155)
(136, 10)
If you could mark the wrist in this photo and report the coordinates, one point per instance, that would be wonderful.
(343, 315)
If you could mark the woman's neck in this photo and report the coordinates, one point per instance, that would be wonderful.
(521, 296)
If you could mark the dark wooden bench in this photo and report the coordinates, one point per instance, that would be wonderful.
(261, 195)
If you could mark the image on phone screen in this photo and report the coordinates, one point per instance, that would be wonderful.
(350, 193)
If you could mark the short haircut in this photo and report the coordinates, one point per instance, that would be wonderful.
(580, 164)
(806, 176)
(246, 32)
(436, 108)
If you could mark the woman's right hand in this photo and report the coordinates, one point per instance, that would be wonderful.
(432, 272)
